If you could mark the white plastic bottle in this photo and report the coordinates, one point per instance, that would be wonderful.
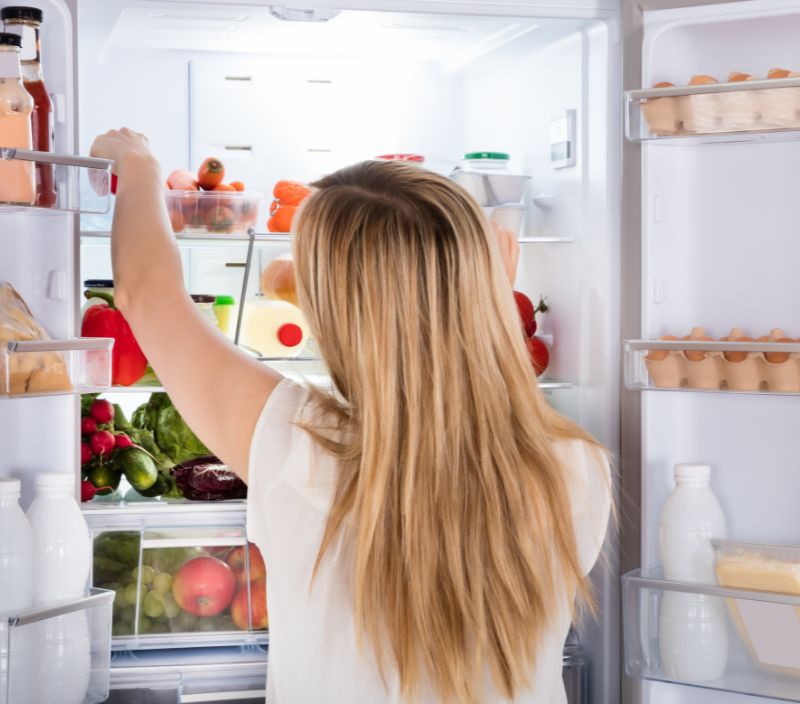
(63, 560)
(16, 592)
(693, 637)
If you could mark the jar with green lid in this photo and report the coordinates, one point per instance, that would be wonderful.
(205, 303)
(223, 311)
(487, 162)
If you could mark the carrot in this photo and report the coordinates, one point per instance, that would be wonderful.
(176, 220)
(281, 220)
(210, 174)
(181, 180)
(237, 185)
(224, 187)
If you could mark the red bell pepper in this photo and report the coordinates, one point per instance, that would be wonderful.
(128, 363)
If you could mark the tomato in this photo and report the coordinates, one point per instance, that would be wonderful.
(540, 355)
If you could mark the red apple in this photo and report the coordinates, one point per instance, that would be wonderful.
(527, 312)
(204, 586)
(258, 604)
(258, 570)
(540, 355)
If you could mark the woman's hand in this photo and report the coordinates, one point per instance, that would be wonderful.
(117, 145)
(508, 245)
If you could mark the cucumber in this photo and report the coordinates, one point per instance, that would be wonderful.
(139, 468)
(105, 474)
(160, 485)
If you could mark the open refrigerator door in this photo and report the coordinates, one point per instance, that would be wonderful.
(710, 359)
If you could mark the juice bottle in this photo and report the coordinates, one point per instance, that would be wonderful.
(25, 21)
(16, 106)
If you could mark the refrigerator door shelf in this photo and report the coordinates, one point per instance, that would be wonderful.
(750, 110)
(55, 367)
(183, 578)
(731, 367)
(762, 630)
(82, 184)
(43, 656)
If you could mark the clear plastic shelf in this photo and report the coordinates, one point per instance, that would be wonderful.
(661, 620)
(692, 365)
(54, 367)
(60, 653)
(81, 184)
(754, 110)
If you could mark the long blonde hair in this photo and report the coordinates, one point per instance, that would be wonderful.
(450, 493)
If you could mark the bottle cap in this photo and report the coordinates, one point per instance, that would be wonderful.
(54, 480)
(692, 471)
(98, 283)
(225, 301)
(290, 335)
(8, 39)
(203, 298)
(9, 486)
(18, 12)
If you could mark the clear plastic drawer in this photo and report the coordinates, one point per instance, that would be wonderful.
(57, 654)
(184, 577)
(73, 183)
(703, 636)
(50, 367)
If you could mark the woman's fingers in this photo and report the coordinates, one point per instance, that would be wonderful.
(508, 245)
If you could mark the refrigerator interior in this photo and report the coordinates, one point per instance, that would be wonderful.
(320, 96)
(719, 245)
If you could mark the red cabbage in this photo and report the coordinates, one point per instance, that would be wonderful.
(208, 479)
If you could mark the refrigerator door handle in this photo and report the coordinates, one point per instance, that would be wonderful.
(87, 162)
(76, 343)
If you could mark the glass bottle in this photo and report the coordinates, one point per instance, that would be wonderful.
(16, 106)
(26, 21)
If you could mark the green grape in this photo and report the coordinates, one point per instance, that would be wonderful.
(186, 622)
(162, 583)
(128, 613)
(148, 574)
(153, 605)
(171, 608)
(145, 626)
(130, 594)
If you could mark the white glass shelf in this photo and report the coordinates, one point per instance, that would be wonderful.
(77, 183)
(742, 111)
(553, 385)
(747, 621)
(692, 365)
(33, 368)
(545, 239)
(203, 237)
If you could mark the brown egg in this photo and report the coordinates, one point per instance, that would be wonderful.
(735, 77)
(701, 79)
(660, 355)
(663, 84)
(696, 336)
(778, 73)
(736, 356)
(776, 357)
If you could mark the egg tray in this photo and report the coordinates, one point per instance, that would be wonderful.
(715, 373)
(721, 107)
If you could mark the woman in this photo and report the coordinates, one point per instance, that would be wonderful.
(428, 527)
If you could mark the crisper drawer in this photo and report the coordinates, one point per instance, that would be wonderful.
(712, 637)
(185, 576)
(232, 675)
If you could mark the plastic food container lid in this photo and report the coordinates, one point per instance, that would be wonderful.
(58, 480)
(203, 298)
(692, 471)
(290, 335)
(9, 487)
(18, 12)
(416, 158)
(224, 301)
(98, 283)
(8, 39)
(499, 156)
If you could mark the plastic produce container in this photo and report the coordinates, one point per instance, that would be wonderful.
(488, 178)
(507, 217)
(216, 213)
(39, 661)
(185, 575)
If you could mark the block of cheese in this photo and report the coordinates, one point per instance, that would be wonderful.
(26, 372)
(770, 631)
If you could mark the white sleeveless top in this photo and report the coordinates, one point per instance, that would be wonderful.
(313, 656)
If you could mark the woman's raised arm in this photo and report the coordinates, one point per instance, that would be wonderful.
(218, 389)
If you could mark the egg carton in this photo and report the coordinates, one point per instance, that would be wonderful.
(726, 365)
(770, 104)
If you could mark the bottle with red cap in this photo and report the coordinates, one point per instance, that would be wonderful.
(273, 328)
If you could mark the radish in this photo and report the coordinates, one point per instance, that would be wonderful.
(86, 453)
(102, 442)
(88, 490)
(102, 411)
(88, 425)
(122, 441)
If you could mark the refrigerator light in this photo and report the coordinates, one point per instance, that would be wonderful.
(293, 14)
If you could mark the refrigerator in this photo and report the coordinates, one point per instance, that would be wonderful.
(632, 230)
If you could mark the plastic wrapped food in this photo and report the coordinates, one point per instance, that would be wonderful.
(26, 372)
(208, 479)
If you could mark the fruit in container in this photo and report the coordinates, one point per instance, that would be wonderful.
(236, 560)
(258, 606)
(540, 355)
(182, 180)
(288, 196)
(210, 174)
(204, 586)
